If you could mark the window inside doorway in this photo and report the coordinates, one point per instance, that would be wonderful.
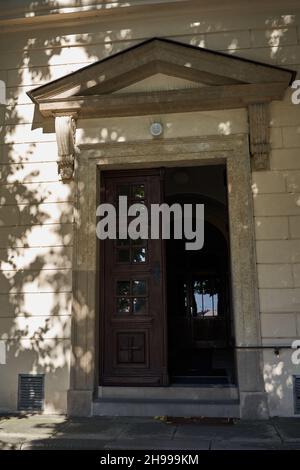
(201, 296)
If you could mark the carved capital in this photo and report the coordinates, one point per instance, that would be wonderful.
(259, 135)
(65, 129)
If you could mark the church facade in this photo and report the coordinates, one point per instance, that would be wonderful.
(161, 103)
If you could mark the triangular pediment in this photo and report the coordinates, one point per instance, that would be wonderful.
(161, 65)
(160, 82)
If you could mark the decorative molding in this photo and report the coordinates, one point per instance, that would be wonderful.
(259, 134)
(184, 145)
(231, 82)
(65, 129)
(171, 101)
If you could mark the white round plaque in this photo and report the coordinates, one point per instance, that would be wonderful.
(156, 129)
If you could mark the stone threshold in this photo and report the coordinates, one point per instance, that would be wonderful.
(172, 392)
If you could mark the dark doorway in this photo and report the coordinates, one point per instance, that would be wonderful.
(166, 311)
(200, 327)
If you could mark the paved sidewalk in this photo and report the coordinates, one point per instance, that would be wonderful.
(58, 432)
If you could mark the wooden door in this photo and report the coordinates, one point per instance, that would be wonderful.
(132, 308)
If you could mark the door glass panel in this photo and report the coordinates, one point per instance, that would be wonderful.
(139, 255)
(123, 287)
(131, 297)
(138, 192)
(132, 254)
(139, 305)
(123, 305)
(123, 255)
(136, 252)
(139, 287)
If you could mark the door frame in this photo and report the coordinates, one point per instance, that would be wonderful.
(233, 150)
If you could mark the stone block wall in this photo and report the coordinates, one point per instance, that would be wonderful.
(36, 209)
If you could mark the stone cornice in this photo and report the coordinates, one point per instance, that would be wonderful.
(173, 101)
(19, 19)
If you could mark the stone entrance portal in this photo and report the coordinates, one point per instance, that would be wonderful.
(231, 151)
(112, 88)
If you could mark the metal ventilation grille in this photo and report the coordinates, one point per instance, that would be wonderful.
(31, 392)
(297, 394)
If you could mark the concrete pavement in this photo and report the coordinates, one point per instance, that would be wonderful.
(25, 432)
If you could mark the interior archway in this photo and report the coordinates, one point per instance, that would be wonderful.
(200, 326)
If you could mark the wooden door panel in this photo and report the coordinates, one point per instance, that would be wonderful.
(133, 291)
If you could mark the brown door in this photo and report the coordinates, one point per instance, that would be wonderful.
(133, 314)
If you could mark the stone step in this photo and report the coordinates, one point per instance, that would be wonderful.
(216, 392)
(171, 407)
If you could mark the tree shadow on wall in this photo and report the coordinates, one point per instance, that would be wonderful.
(36, 210)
